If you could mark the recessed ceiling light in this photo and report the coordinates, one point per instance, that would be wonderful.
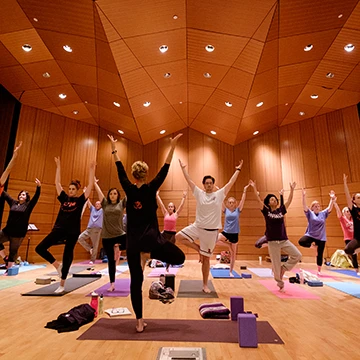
(256, 132)
(162, 132)
(27, 47)
(36, 19)
(46, 75)
(85, 102)
(175, 17)
(210, 48)
(180, 102)
(308, 47)
(207, 75)
(147, 103)
(163, 48)
(286, 104)
(213, 132)
(116, 104)
(67, 48)
(167, 75)
(340, 16)
(62, 96)
(261, 103)
(330, 75)
(228, 103)
(349, 47)
(314, 96)
(301, 113)
(75, 112)
(120, 132)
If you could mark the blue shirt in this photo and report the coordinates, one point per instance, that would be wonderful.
(232, 225)
(96, 218)
(316, 224)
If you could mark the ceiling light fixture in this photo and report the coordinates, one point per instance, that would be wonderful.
(85, 102)
(167, 75)
(67, 48)
(286, 104)
(62, 96)
(261, 103)
(147, 103)
(256, 132)
(330, 75)
(46, 75)
(116, 104)
(162, 132)
(36, 19)
(308, 47)
(27, 47)
(209, 48)
(207, 75)
(301, 113)
(75, 112)
(163, 48)
(340, 16)
(349, 47)
(120, 132)
(180, 102)
(213, 132)
(175, 17)
(314, 96)
(228, 103)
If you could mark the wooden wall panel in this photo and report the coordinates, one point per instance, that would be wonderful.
(68, 153)
(181, 152)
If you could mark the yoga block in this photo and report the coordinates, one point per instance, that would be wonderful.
(170, 281)
(315, 283)
(236, 306)
(14, 270)
(246, 276)
(43, 280)
(247, 330)
(242, 267)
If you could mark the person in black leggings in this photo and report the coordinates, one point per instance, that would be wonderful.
(67, 225)
(143, 235)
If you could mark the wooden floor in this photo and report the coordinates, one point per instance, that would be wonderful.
(311, 329)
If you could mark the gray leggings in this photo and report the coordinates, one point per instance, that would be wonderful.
(15, 243)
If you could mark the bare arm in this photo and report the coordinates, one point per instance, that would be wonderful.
(261, 203)
(58, 186)
(113, 148)
(305, 207)
(291, 195)
(232, 180)
(186, 176)
(173, 142)
(242, 201)
(182, 203)
(91, 179)
(338, 211)
(332, 201)
(161, 204)
(6, 172)
(98, 190)
(347, 193)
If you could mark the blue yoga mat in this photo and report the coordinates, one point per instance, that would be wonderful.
(347, 272)
(25, 268)
(224, 274)
(346, 287)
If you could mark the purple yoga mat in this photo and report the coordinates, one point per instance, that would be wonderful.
(122, 289)
(177, 330)
(158, 271)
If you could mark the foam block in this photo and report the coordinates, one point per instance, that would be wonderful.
(247, 330)
(170, 281)
(246, 276)
(14, 270)
(242, 267)
(315, 283)
(236, 306)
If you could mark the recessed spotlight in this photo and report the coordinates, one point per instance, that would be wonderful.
(120, 132)
(85, 102)
(308, 47)
(46, 75)
(67, 48)
(147, 103)
(27, 47)
(167, 75)
(340, 16)
(330, 75)
(228, 103)
(213, 132)
(256, 132)
(314, 96)
(75, 112)
(180, 102)
(261, 103)
(209, 48)
(62, 96)
(207, 75)
(162, 132)
(163, 48)
(36, 19)
(116, 104)
(301, 113)
(286, 104)
(349, 47)
(175, 17)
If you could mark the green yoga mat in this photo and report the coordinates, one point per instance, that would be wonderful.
(9, 283)
(193, 289)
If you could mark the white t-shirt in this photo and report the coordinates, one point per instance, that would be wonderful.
(208, 208)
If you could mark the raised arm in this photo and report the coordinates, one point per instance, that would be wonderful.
(98, 190)
(291, 195)
(347, 193)
(186, 176)
(253, 185)
(91, 181)
(338, 211)
(305, 207)
(58, 186)
(113, 148)
(161, 204)
(182, 203)
(6, 172)
(332, 201)
(173, 142)
(242, 201)
(232, 180)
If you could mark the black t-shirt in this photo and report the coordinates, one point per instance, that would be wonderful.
(355, 213)
(275, 226)
(69, 215)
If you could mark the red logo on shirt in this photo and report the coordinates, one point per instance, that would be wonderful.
(137, 205)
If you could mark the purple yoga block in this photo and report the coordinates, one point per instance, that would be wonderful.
(236, 306)
(247, 330)
(246, 275)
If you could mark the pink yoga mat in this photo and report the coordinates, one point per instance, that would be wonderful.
(158, 271)
(323, 276)
(292, 291)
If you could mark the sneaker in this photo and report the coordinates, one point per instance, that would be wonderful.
(59, 270)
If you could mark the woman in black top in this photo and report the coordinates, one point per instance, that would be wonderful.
(67, 225)
(143, 235)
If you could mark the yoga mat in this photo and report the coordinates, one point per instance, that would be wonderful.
(346, 287)
(225, 331)
(71, 284)
(9, 283)
(322, 276)
(262, 272)
(292, 291)
(193, 289)
(346, 272)
(158, 271)
(119, 270)
(224, 274)
(122, 289)
(73, 270)
(25, 268)
(86, 262)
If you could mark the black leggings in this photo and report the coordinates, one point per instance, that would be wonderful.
(59, 237)
(108, 245)
(166, 252)
(15, 243)
(306, 241)
(351, 246)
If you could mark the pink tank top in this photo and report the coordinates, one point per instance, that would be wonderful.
(347, 228)
(170, 222)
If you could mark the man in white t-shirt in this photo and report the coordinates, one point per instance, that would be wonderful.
(208, 218)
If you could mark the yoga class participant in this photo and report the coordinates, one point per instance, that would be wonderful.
(230, 233)
(66, 229)
(208, 219)
(315, 235)
(276, 233)
(143, 235)
(113, 234)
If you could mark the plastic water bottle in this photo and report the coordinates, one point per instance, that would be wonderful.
(94, 303)
(101, 304)
(162, 278)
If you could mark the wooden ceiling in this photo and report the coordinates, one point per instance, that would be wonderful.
(258, 57)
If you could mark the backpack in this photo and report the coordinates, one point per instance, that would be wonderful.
(159, 292)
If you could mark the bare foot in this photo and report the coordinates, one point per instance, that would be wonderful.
(111, 288)
(282, 289)
(141, 325)
(231, 274)
(206, 290)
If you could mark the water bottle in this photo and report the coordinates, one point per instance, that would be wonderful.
(94, 303)
(101, 304)
(162, 279)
